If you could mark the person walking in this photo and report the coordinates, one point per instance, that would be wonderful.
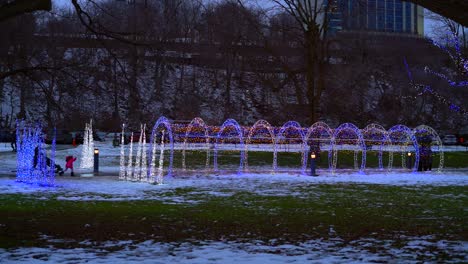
(69, 164)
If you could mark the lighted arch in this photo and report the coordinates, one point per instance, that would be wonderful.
(167, 129)
(197, 121)
(322, 128)
(376, 129)
(410, 139)
(280, 136)
(438, 141)
(230, 123)
(263, 124)
(360, 141)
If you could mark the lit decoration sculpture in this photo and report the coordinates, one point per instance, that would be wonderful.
(149, 163)
(376, 135)
(320, 133)
(32, 164)
(139, 173)
(434, 138)
(129, 175)
(404, 139)
(197, 122)
(261, 125)
(349, 133)
(232, 124)
(87, 150)
(299, 138)
(157, 177)
(144, 158)
(122, 171)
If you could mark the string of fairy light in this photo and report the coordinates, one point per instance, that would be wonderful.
(462, 65)
(460, 62)
(427, 89)
(320, 137)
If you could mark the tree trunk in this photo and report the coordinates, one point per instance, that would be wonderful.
(310, 73)
(134, 96)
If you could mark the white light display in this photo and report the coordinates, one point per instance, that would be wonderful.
(271, 136)
(129, 175)
(197, 122)
(87, 151)
(122, 171)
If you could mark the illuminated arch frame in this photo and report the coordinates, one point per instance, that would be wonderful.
(360, 139)
(438, 141)
(410, 138)
(385, 140)
(295, 125)
(227, 123)
(321, 126)
(197, 121)
(151, 169)
(264, 124)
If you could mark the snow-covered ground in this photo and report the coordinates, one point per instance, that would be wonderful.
(314, 251)
(110, 188)
(200, 186)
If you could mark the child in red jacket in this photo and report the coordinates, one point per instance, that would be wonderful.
(69, 165)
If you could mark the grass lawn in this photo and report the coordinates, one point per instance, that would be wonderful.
(196, 160)
(348, 211)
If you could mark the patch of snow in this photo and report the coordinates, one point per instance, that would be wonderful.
(314, 251)
(197, 186)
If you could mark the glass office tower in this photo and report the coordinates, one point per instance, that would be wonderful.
(376, 15)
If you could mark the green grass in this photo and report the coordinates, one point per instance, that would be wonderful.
(354, 211)
(196, 160)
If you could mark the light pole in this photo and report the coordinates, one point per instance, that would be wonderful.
(96, 161)
(409, 160)
(312, 164)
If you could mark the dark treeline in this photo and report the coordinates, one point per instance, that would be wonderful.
(133, 61)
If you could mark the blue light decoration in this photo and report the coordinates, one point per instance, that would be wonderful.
(261, 131)
(443, 76)
(435, 139)
(346, 137)
(375, 134)
(404, 139)
(296, 135)
(230, 123)
(153, 176)
(426, 89)
(30, 143)
(460, 62)
(348, 132)
(318, 134)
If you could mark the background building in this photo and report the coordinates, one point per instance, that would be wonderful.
(377, 15)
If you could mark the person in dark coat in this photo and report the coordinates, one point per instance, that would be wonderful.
(58, 169)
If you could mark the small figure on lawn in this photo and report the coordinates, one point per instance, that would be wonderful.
(69, 165)
(13, 139)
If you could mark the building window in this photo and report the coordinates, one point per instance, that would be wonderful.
(408, 17)
(380, 15)
(372, 14)
(398, 16)
(389, 15)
